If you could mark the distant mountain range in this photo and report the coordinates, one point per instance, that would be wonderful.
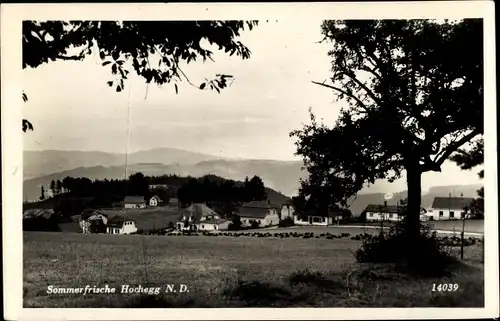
(41, 167)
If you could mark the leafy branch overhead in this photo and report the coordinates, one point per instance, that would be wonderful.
(154, 50)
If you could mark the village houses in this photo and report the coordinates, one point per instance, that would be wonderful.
(155, 200)
(199, 217)
(450, 208)
(94, 218)
(287, 211)
(121, 225)
(377, 212)
(261, 212)
(134, 202)
(311, 217)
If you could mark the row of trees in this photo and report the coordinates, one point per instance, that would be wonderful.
(208, 189)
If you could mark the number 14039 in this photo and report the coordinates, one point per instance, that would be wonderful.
(444, 287)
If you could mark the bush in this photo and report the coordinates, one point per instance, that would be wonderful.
(426, 255)
(255, 225)
(288, 221)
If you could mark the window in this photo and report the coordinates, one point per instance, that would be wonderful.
(215, 227)
(203, 226)
(452, 214)
(323, 219)
(390, 215)
(440, 213)
(462, 215)
(370, 214)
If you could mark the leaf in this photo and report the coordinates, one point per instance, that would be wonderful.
(27, 125)
(118, 88)
(202, 86)
(116, 55)
(102, 54)
(106, 63)
(110, 83)
(176, 89)
(114, 69)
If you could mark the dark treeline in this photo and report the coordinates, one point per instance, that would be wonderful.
(216, 191)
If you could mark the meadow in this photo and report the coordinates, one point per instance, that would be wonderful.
(225, 271)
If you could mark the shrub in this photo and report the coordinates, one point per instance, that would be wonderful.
(288, 221)
(426, 255)
(254, 225)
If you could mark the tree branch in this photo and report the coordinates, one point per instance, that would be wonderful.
(69, 57)
(345, 93)
(450, 149)
(368, 91)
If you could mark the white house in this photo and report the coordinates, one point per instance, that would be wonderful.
(92, 217)
(134, 202)
(312, 218)
(154, 201)
(200, 217)
(287, 210)
(120, 225)
(376, 212)
(261, 212)
(450, 208)
(391, 213)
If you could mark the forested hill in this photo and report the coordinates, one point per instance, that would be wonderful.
(104, 193)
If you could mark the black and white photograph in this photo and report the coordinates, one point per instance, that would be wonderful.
(194, 156)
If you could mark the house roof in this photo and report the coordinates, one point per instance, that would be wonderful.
(331, 213)
(253, 212)
(91, 212)
(117, 221)
(37, 212)
(452, 202)
(197, 210)
(259, 204)
(220, 221)
(155, 197)
(384, 208)
(134, 199)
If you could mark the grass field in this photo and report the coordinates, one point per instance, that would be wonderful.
(229, 272)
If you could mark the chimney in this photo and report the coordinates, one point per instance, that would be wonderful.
(385, 203)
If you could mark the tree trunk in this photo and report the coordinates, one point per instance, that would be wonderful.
(413, 178)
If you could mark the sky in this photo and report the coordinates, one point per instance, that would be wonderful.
(72, 107)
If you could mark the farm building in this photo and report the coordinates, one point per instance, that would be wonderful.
(154, 201)
(450, 208)
(158, 186)
(173, 202)
(287, 210)
(376, 212)
(261, 212)
(313, 218)
(392, 213)
(134, 202)
(38, 213)
(93, 221)
(200, 217)
(120, 225)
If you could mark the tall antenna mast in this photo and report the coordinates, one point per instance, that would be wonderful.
(129, 107)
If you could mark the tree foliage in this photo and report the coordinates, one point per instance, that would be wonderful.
(155, 50)
(412, 94)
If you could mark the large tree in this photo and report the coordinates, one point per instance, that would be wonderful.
(154, 50)
(413, 95)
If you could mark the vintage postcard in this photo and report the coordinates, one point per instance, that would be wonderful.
(249, 161)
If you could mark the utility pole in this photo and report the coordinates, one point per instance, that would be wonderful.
(463, 229)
